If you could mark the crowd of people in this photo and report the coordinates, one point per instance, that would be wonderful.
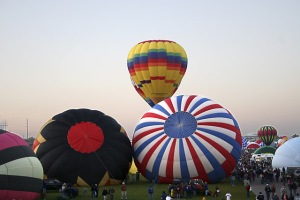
(249, 171)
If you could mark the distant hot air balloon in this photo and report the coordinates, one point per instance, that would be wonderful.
(284, 137)
(156, 69)
(187, 137)
(265, 150)
(252, 145)
(260, 142)
(85, 147)
(267, 134)
(21, 173)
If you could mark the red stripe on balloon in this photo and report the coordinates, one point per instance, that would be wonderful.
(206, 108)
(188, 102)
(154, 115)
(170, 160)
(145, 133)
(151, 151)
(229, 161)
(197, 162)
(170, 105)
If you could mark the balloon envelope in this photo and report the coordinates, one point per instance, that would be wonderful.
(267, 134)
(21, 173)
(187, 137)
(85, 147)
(265, 149)
(288, 155)
(252, 145)
(156, 69)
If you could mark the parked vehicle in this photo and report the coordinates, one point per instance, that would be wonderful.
(52, 183)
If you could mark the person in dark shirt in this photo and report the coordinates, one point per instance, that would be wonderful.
(260, 196)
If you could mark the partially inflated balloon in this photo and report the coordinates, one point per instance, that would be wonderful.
(85, 147)
(21, 172)
(267, 134)
(288, 155)
(252, 145)
(156, 69)
(187, 137)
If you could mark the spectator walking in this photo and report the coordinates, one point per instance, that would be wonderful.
(104, 193)
(268, 191)
(260, 196)
(273, 190)
(248, 190)
(111, 192)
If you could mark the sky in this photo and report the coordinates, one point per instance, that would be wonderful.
(68, 54)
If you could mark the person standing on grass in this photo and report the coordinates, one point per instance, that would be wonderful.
(248, 190)
(150, 192)
(168, 197)
(217, 191)
(111, 193)
(205, 188)
(163, 196)
(228, 195)
(104, 193)
(123, 191)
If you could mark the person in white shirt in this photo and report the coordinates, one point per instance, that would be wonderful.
(168, 197)
(228, 195)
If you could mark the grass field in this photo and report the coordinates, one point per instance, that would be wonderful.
(139, 191)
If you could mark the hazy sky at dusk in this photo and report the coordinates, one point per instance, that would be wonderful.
(57, 55)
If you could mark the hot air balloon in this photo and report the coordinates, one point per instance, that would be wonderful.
(282, 140)
(267, 134)
(187, 137)
(156, 69)
(260, 142)
(252, 145)
(288, 155)
(21, 173)
(84, 147)
(265, 150)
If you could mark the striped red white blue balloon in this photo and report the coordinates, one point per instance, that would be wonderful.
(187, 137)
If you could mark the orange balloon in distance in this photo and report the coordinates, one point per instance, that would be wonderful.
(156, 69)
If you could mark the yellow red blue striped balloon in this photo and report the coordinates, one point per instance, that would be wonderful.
(156, 69)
